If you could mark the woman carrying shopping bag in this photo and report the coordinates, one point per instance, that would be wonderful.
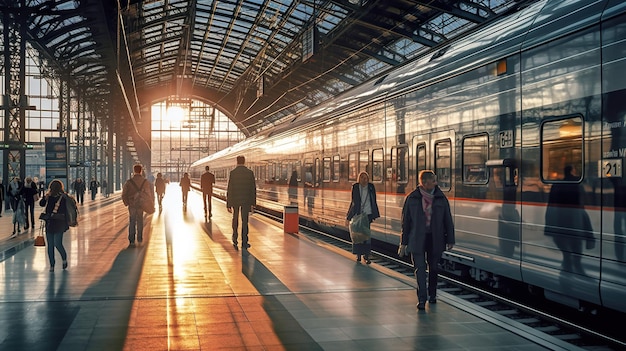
(363, 202)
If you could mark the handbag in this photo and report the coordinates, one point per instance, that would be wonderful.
(360, 228)
(39, 241)
(54, 215)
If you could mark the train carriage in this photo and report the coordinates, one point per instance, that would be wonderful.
(524, 123)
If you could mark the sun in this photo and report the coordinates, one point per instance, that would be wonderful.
(175, 113)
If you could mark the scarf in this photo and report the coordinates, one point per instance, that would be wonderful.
(427, 205)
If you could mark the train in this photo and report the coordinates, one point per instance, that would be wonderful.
(523, 121)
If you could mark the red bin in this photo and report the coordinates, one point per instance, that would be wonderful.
(290, 219)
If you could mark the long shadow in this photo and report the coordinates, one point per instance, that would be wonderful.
(285, 326)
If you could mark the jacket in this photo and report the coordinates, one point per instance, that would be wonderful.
(355, 204)
(129, 190)
(414, 227)
(55, 226)
(206, 182)
(241, 187)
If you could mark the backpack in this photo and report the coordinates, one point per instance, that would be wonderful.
(141, 199)
(71, 211)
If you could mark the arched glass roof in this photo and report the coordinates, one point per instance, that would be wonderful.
(260, 61)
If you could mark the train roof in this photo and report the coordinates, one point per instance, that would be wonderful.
(494, 41)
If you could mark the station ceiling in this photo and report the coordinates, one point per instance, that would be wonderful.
(258, 61)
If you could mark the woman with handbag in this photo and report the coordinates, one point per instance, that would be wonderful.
(363, 202)
(56, 220)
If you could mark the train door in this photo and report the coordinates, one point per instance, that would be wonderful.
(433, 151)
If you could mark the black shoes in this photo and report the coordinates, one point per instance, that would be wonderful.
(245, 246)
(421, 306)
(432, 300)
(64, 264)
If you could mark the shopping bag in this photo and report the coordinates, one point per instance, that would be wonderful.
(360, 228)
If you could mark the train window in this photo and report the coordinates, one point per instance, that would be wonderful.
(352, 167)
(284, 172)
(326, 170)
(561, 147)
(443, 164)
(400, 164)
(420, 152)
(363, 161)
(297, 167)
(377, 165)
(475, 154)
(336, 167)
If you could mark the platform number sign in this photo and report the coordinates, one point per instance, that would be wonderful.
(610, 168)
(505, 139)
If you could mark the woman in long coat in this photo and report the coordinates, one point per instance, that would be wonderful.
(363, 201)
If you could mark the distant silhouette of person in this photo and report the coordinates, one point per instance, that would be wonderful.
(79, 189)
(105, 193)
(206, 184)
(30, 194)
(93, 187)
(293, 188)
(241, 198)
(567, 222)
(159, 187)
(13, 191)
(185, 184)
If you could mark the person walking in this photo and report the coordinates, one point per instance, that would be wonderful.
(79, 190)
(93, 187)
(241, 199)
(363, 201)
(159, 185)
(185, 184)
(54, 202)
(131, 187)
(427, 230)
(105, 193)
(14, 190)
(206, 184)
(30, 194)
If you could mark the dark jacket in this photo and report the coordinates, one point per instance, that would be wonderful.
(159, 184)
(28, 192)
(355, 204)
(414, 227)
(241, 187)
(128, 190)
(206, 182)
(185, 184)
(55, 226)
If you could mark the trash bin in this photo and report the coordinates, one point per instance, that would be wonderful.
(291, 221)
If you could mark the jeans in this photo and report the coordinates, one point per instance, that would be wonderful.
(30, 214)
(55, 240)
(423, 261)
(245, 214)
(135, 227)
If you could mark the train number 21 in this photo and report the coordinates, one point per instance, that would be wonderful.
(610, 168)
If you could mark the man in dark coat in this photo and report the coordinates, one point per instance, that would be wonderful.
(427, 230)
(241, 198)
(206, 184)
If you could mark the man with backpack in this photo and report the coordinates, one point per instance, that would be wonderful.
(137, 194)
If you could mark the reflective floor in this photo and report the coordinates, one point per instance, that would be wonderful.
(187, 288)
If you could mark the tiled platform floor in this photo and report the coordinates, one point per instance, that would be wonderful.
(187, 288)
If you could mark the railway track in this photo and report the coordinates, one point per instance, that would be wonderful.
(549, 327)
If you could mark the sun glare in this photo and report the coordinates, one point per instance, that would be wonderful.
(175, 114)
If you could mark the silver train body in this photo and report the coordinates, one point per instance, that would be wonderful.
(498, 115)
